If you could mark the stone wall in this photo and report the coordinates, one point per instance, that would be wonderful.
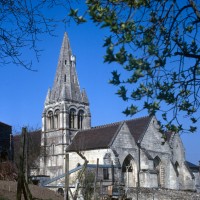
(162, 194)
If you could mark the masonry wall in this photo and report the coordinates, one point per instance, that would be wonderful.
(161, 194)
(153, 143)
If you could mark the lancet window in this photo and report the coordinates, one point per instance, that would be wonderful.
(177, 168)
(53, 149)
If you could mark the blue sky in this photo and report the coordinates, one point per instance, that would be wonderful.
(23, 92)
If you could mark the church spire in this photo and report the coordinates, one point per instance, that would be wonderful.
(66, 76)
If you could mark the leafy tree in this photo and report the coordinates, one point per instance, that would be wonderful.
(157, 45)
(87, 183)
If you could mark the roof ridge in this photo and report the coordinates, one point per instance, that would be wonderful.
(106, 125)
(119, 122)
(136, 118)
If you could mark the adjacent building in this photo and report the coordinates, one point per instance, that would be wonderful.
(6, 143)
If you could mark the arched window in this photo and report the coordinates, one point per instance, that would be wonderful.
(50, 123)
(129, 171)
(72, 117)
(53, 149)
(160, 171)
(80, 119)
(56, 119)
(61, 191)
(177, 168)
(156, 163)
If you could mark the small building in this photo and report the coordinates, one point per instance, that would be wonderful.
(6, 142)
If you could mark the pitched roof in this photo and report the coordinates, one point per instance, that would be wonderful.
(169, 135)
(193, 167)
(102, 136)
(138, 127)
(189, 169)
(94, 138)
(4, 124)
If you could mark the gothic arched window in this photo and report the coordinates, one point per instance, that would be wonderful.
(56, 118)
(160, 171)
(156, 163)
(72, 117)
(129, 171)
(50, 123)
(80, 119)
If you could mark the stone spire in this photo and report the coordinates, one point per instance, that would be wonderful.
(66, 85)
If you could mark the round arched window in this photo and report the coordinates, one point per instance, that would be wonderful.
(56, 119)
(80, 119)
(50, 123)
(72, 118)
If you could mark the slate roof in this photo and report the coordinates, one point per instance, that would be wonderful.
(102, 136)
(193, 167)
(138, 126)
(169, 135)
(4, 124)
(189, 169)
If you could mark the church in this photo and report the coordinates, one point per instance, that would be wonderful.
(130, 153)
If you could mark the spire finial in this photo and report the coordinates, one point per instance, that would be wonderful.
(47, 100)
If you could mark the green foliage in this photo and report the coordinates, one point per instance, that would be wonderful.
(156, 43)
(87, 185)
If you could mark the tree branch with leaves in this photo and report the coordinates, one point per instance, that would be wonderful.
(157, 45)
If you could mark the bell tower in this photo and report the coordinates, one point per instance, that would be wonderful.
(66, 110)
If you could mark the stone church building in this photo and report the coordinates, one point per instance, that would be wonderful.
(129, 152)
